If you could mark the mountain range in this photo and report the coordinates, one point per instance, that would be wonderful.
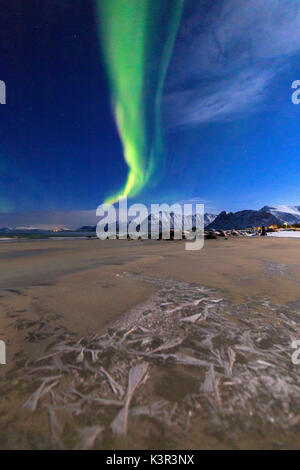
(267, 215)
(176, 219)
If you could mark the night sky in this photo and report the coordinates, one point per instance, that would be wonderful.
(230, 130)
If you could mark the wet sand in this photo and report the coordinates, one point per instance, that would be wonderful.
(62, 291)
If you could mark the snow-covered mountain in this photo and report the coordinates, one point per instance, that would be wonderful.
(289, 214)
(268, 215)
(243, 220)
(176, 220)
(209, 218)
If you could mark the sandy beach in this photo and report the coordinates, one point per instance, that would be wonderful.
(204, 337)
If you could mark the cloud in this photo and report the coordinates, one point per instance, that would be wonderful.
(231, 97)
(226, 55)
(208, 205)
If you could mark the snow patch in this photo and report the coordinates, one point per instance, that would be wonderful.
(284, 234)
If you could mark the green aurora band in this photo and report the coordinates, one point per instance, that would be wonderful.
(137, 39)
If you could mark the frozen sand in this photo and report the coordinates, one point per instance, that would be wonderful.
(78, 288)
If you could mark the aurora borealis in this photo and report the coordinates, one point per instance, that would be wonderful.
(137, 38)
(163, 100)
